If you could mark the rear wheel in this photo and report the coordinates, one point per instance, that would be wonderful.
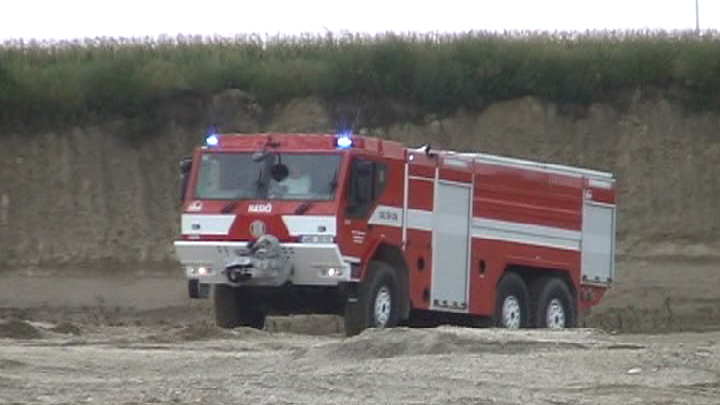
(553, 304)
(511, 303)
(233, 307)
(376, 305)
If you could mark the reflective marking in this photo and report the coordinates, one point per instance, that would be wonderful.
(310, 224)
(206, 224)
(531, 234)
(420, 220)
(527, 233)
(386, 215)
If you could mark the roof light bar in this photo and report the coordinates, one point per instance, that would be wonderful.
(344, 141)
(212, 140)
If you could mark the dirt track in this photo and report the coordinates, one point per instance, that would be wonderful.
(200, 364)
(136, 338)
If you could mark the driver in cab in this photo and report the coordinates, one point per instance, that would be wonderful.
(298, 180)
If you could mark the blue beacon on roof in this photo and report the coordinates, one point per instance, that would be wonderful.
(344, 141)
(212, 140)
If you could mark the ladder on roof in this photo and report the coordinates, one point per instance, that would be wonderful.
(525, 163)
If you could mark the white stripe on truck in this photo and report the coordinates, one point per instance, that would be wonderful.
(310, 224)
(206, 224)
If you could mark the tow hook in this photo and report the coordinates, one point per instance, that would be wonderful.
(262, 261)
(238, 273)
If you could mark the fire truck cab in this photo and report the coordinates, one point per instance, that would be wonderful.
(379, 233)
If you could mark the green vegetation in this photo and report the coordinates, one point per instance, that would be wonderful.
(44, 85)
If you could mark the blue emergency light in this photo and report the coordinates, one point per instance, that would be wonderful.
(212, 140)
(344, 141)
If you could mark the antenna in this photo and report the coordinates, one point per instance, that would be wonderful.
(341, 124)
(356, 120)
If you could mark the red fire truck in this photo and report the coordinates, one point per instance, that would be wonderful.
(383, 234)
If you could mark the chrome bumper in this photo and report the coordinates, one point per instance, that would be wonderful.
(310, 264)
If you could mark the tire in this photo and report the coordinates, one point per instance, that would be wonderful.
(552, 304)
(377, 301)
(193, 289)
(512, 303)
(233, 308)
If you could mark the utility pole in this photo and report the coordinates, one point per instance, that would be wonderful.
(697, 16)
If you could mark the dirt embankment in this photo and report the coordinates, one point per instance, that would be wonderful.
(90, 199)
(87, 194)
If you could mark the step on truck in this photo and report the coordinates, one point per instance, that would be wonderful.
(382, 234)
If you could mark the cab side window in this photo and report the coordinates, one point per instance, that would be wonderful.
(367, 183)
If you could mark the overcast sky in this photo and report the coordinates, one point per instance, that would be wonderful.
(67, 19)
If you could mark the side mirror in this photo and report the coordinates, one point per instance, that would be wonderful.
(185, 167)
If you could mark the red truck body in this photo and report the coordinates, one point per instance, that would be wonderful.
(522, 243)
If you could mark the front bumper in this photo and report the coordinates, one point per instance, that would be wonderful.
(309, 264)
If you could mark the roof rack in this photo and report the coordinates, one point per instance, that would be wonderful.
(529, 164)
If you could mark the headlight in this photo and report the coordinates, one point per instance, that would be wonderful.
(331, 272)
(317, 239)
(191, 271)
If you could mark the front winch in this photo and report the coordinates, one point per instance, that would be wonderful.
(261, 262)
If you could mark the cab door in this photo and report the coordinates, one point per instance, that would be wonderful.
(366, 182)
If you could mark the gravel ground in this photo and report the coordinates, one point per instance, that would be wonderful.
(135, 338)
(71, 364)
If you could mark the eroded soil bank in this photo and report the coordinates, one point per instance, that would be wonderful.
(88, 196)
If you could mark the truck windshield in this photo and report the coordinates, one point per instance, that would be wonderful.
(235, 176)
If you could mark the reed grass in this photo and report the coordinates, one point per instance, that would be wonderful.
(47, 84)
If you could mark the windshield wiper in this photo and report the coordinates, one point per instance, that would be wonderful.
(259, 184)
(333, 182)
(303, 208)
(263, 181)
(229, 207)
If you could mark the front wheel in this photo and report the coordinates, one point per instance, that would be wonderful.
(376, 305)
(233, 307)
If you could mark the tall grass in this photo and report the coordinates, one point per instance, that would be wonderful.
(67, 83)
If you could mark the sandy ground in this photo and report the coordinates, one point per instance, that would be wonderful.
(200, 364)
(134, 338)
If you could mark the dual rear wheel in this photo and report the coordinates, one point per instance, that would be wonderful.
(545, 303)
